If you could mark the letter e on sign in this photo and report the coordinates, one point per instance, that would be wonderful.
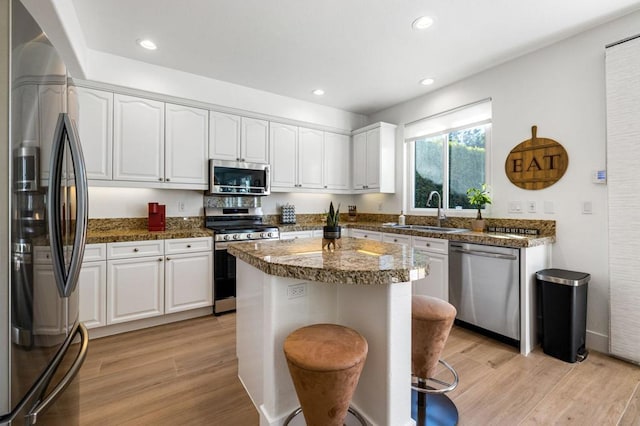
(536, 163)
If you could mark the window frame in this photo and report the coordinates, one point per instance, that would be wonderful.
(410, 188)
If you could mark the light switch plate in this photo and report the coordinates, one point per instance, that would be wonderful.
(515, 207)
(548, 207)
(587, 207)
(531, 206)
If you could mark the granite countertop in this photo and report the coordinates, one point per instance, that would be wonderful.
(356, 262)
(490, 238)
(120, 235)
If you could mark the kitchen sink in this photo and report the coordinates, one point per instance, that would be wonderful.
(428, 228)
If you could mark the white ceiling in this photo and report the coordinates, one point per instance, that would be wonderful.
(363, 53)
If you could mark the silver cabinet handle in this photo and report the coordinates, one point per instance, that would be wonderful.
(160, 259)
(188, 245)
(168, 259)
(167, 179)
(160, 179)
(135, 250)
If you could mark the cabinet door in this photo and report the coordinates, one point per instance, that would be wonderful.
(138, 139)
(92, 285)
(337, 149)
(186, 144)
(284, 154)
(360, 161)
(47, 305)
(310, 155)
(188, 281)
(135, 289)
(26, 123)
(436, 284)
(373, 159)
(254, 140)
(224, 136)
(92, 111)
(51, 102)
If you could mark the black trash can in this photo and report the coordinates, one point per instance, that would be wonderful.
(563, 301)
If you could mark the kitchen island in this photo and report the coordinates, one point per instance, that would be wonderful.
(366, 285)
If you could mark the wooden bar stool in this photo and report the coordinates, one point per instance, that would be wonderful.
(325, 362)
(431, 322)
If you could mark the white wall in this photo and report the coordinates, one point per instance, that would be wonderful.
(561, 89)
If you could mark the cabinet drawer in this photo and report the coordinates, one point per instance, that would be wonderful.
(188, 245)
(370, 235)
(135, 249)
(397, 239)
(434, 245)
(41, 255)
(294, 235)
(93, 252)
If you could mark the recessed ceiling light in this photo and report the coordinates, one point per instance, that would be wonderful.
(427, 81)
(422, 23)
(318, 92)
(147, 44)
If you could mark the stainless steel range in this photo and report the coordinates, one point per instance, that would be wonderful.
(229, 225)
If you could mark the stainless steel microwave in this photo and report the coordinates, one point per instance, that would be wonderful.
(238, 178)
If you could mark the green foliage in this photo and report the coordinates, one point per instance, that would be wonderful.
(333, 217)
(466, 167)
(478, 197)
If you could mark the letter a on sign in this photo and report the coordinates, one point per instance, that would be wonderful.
(536, 163)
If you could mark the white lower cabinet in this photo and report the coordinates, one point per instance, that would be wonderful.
(92, 285)
(396, 239)
(188, 274)
(294, 235)
(436, 284)
(369, 235)
(135, 288)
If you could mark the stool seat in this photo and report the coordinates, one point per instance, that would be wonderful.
(431, 322)
(325, 347)
(325, 362)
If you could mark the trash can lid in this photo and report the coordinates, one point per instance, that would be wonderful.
(564, 277)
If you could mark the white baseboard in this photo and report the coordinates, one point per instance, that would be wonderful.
(95, 333)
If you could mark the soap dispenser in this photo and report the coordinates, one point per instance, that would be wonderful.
(401, 218)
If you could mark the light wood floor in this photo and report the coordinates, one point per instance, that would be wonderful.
(186, 373)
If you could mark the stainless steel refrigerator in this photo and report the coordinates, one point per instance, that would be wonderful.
(44, 212)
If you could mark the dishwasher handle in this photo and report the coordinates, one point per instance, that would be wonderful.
(484, 253)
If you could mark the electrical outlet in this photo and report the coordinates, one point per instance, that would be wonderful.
(531, 206)
(180, 206)
(380, 207)
(296, 290)
(515, 207)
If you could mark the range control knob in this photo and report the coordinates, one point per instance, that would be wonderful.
(227, 237)
(249, 236)
(236, 236)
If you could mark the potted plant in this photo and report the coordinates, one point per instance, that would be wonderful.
(332, 229)
(478, 197)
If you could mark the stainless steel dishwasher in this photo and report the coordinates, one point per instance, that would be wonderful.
(484, 286)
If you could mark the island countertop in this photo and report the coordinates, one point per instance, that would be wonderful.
(356, 262)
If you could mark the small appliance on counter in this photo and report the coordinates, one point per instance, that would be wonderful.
(288, 214)
(353, 214)
(157, 217)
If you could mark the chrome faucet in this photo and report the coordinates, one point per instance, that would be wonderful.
(441, 215)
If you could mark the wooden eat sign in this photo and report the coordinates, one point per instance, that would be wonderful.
(536, 163)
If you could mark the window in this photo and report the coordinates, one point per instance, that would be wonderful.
(451, 160)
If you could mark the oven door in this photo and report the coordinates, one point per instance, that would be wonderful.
(224, 279)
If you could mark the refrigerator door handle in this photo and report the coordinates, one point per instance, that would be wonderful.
(67, 280)
(66, 380)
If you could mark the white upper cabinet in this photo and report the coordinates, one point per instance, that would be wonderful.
(254, 141)
(284, 155)
(337, 158)
(138, 139)
(92, 110)
(374, 158)
(186, 144)
(51, 102)
(310, 155)
(224, 136)
(236, 138)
